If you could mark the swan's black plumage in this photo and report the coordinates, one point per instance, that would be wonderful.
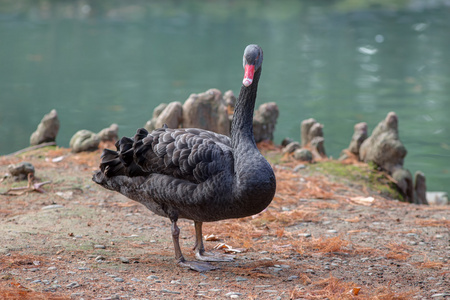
(194, 173)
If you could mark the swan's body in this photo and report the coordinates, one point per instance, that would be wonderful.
(194, 173)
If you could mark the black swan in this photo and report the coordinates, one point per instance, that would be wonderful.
(194, 173)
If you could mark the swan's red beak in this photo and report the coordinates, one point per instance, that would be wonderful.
(248, 75)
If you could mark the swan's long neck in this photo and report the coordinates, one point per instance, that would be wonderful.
(242, 125)
(254, 181)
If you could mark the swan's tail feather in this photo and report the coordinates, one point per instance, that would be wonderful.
(111, 164)
(120, 162)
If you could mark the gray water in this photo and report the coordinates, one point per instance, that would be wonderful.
(102, 62)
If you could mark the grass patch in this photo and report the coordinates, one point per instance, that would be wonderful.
(359, 174)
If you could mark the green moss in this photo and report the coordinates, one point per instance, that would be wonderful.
(274, 158)
(360, 175)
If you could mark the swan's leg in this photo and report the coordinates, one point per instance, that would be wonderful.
(194, 265)
(199, 249)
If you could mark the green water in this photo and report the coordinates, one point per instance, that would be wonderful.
(102, 62)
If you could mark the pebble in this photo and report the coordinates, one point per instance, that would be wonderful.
(53, 206)
(299, 167)
(36, 281)
(290, 278)
(135, 279)
(306, 235)
(238, 279)
(124, 260)
(118, 279)
(99, 246)
(364, 259)
(332, 231)
(72, 285)
(270, 291)
(411, 235)
(439, 295)
(215, 290)
(175, 281)
(233, 294)
(152, 277)
(100, 258)
(83, 268)
(51, 268)
(439, 236)
(32, 269)
(169, 292)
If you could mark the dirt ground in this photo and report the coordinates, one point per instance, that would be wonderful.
(321, 238)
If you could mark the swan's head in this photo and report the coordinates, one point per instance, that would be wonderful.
(253, 57)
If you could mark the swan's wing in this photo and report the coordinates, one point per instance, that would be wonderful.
(189, 154)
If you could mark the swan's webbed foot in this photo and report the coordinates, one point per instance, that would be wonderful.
(199, 266)
(209, 256)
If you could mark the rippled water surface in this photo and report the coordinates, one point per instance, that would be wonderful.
(99, 62)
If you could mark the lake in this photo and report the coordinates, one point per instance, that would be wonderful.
(340, 62)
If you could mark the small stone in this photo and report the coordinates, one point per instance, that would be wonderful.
(299, 167)
(152, 277)
(169, 292)
(36, 281)
(238, 279)
(47, 129)
(439, 236)
(21, 170)
(99, 246)
(440, 295)
(51, 268)
(303, 155)
(411, 235)
(84, 140)
(72, 285)
(270, 291)
(290, 278)
(332, 231)
(306, 235)
(32, 269)
(100, 258)
(175, 281)
(118, 279)
(53, 206)
(230, 294)
(124, 260)
(135, 279)
(83, 268)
